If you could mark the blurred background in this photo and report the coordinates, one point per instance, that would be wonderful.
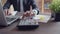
(43, 5)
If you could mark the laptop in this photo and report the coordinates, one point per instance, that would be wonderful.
(6, 20)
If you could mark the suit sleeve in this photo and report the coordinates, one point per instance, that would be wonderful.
(7, 4)
(34, 7)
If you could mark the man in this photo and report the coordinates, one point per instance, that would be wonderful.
(26, 6)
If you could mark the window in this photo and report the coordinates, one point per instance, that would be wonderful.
(46, 5)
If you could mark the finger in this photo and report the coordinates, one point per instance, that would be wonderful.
(24, 14)
(32, 14)
(9, 13)
(6, 12)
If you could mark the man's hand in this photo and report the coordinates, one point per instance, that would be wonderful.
(28, 14)
(7, 12)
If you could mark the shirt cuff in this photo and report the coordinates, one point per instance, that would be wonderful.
(35, 11)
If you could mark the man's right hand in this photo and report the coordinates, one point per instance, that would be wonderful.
(7, 12)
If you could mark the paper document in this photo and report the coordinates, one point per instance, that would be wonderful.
(13, 13)
(42, 18)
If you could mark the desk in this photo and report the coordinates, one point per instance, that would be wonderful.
(44, 28)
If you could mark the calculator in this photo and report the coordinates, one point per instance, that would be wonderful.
(27, 24)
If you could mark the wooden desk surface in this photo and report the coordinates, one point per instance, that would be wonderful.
(44, 28)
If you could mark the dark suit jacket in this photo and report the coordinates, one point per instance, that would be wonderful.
(26, 5)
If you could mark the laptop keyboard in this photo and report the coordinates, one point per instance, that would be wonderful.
(9, 19)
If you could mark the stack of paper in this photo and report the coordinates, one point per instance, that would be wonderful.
(42, 18)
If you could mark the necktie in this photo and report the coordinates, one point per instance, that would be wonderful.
(21, 6)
